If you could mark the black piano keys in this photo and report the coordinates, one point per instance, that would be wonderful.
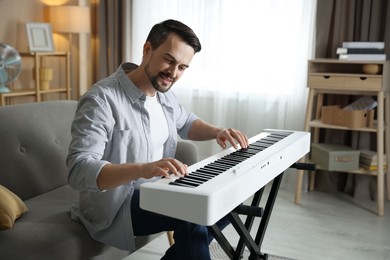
(225, 163)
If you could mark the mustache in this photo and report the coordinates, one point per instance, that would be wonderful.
(168, 75)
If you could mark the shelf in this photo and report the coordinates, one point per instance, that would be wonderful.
(318, 124)
(17, 93)
(365, 172)
(346, 67)
(41, 54)
(53, 90)
(361, 171)
(345, 62)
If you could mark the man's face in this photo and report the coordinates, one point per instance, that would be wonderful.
(165, 65)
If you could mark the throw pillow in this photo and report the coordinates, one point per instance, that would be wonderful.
(11, 208)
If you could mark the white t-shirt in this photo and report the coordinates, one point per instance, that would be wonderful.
(158, 126)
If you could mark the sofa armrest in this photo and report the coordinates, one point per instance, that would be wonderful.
(187, 152)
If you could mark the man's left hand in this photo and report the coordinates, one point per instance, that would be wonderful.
(234, 137)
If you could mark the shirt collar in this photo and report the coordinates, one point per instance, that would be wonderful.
(126, 84)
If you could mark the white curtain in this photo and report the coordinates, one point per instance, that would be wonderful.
(251, 72)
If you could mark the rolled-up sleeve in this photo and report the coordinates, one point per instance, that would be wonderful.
(90, 131)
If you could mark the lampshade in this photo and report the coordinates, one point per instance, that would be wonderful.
(70, 19)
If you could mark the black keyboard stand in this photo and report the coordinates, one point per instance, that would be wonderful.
(252, 211)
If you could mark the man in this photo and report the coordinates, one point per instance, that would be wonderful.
(125, 132)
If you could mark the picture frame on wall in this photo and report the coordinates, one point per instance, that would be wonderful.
(40, 38)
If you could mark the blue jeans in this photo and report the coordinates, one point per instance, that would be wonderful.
(191, 240)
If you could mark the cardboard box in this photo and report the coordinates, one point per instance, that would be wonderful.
(333, 157)
(334, 115)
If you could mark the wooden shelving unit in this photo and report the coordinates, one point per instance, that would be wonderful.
(340, 77)
(38, 93)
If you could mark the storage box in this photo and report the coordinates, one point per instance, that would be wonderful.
(333, 157)
(334, 115)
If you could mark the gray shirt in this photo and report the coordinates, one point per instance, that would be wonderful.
(111, 125)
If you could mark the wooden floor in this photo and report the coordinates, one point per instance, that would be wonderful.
(325, 226)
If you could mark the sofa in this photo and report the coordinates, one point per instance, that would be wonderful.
(34, 140)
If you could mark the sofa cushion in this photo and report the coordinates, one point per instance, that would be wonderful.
(11, 208)
(48, 231)
(35, 137)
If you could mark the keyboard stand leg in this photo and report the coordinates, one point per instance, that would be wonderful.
(267, 213)
(223, 242)
(249, 219)
(244, 235)
(254, 246)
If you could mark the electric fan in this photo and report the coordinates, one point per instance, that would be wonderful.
(10, 66)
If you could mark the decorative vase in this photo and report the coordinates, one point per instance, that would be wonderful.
(371, 69)
(45, 76)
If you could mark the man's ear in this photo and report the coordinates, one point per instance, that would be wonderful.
(147, 48)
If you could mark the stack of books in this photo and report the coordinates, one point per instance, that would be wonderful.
(362, 51)
(369, 160)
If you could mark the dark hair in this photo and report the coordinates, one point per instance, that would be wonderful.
(160, 32)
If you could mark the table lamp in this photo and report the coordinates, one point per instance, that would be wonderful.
(70, 19)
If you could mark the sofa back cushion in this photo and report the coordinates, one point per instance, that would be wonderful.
(34, 140)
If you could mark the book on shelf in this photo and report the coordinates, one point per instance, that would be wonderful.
(372, 167)
(365, 57)
(362, 44)
(369, 160)
(342, 50)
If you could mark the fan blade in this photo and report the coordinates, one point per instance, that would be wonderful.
(11, 61)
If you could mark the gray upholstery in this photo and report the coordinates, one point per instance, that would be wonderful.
(187, 152)
(34, 142)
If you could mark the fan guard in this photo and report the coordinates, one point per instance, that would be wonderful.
(10, 66)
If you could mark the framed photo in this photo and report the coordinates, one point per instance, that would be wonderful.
(40, 38)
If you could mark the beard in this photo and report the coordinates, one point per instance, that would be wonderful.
(154, 80)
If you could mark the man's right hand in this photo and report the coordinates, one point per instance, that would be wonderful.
(164, 167)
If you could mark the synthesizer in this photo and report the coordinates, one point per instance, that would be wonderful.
(219, 183)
